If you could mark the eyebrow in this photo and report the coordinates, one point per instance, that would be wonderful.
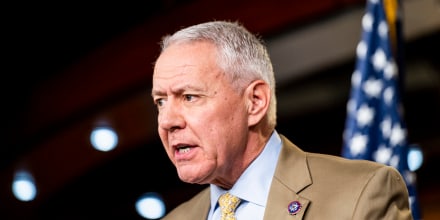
(157, 93)
(178, 90)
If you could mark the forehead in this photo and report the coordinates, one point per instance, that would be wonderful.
(184, 55)
(182, 63)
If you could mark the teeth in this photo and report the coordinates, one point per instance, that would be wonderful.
(184, 150)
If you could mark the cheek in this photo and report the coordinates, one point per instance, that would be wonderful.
(163, 136)
(222, 129)
(164, 139)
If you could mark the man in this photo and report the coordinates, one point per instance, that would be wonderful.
(214, 88)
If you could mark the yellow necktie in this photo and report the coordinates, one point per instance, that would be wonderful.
(228, 203)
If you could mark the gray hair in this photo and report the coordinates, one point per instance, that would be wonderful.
(242, 55)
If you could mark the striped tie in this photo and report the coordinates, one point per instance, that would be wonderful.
(228, 203)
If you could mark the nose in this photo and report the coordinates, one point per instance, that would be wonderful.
(171, 118)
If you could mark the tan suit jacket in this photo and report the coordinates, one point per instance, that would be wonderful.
(327, 187)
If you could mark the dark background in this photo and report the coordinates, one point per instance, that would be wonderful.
(72, 66)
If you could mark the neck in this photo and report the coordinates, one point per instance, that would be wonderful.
(255, 144)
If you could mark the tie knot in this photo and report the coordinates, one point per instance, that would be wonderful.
(228, 203)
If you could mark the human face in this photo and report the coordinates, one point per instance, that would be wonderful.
(202, 119)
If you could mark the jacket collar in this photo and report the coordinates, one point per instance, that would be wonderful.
(291, 177)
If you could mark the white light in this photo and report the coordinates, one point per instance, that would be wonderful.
(104, 139)
(415, 158)
(23, 187)
(150, 206)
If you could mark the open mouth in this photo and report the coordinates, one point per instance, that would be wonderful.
(183, 149)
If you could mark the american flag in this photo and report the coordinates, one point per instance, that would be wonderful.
(375, 129)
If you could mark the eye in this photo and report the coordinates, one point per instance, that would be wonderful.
(189, 98)
(159, 102)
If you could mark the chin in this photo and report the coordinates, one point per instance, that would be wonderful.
(188, 178)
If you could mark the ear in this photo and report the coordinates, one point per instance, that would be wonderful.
(258, 97)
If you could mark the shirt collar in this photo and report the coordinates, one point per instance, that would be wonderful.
(256, 178)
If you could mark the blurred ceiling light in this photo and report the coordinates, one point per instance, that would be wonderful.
(415, 157)
(23, 186)
(150, 206)
(104, 138)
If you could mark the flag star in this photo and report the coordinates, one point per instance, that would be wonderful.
(358, 144)
(383, 154)
(409, 177)
(394, 161)
(364, 115)
(373, 87)
(411, 200)
(346, 134)
(379, 59)
(385, 127)
(383, 29)
(351, 106)
(361, 50)
(388, 95)
(356, 78)
(367, 22)
(390, 70)
(398, 135)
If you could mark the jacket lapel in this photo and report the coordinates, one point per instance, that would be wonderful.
(291, 177)
(202, 207)
(196, 208)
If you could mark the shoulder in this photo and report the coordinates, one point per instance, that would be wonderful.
(193, 207)
(327, 164)
(349, 167)
(340, 163)
(324, 170)
(355, 182)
